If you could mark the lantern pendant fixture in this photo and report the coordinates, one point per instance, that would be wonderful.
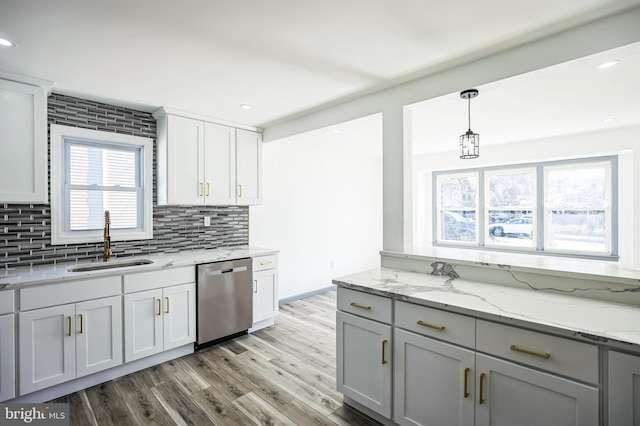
(469, 142)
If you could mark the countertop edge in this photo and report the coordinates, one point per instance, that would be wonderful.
(23, 277)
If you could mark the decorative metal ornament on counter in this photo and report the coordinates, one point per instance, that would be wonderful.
(469, 142)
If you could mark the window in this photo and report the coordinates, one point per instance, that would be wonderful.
(566, 207)
(96, 171)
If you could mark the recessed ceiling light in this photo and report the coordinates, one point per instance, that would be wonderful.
(245, 106)
(609, 120)
(609, 64)
(336, 130)
(4, 42)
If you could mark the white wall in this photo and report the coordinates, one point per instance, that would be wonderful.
(604, 34)
(623, 142)
(322, 204)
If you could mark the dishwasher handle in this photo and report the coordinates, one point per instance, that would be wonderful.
(214, 272)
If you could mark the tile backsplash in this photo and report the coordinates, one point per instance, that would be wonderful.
(25, 230)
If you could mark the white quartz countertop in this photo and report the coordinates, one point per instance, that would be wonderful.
(593, 269)
(588, 318)
(25, 276)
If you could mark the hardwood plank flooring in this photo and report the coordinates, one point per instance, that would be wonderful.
(281, 375)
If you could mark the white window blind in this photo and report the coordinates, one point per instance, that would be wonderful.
(99, 177)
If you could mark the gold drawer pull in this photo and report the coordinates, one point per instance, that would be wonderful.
(167, 299)
(208, 189)
(355, 305)
(466, 382)
(69, 324)
(159, 308)
(266, 263)
(81, 323)
(201, 189)
(384, 342)
(481, 399)
(435, 327)
(544, 355)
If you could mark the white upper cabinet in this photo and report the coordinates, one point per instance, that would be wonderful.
(23, 143)
(248, 167)
(205, 163)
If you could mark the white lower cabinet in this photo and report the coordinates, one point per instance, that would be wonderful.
(434, 382)
(624, 389)
(451, 369)
(61, 343)
(7, 357)
(158, 320)
(265, 291)
(510, 394)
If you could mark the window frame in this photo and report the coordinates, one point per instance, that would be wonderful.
(539, 209)
(60, 137)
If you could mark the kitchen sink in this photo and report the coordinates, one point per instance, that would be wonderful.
(109, 265)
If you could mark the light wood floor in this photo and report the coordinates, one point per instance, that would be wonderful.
(281, 375)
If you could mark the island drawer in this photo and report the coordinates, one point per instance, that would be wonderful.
(443, 325)
(366, 305)
(6, 302)
(265, 262)
(555, 354)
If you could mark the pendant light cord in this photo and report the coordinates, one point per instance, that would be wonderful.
(469, 113)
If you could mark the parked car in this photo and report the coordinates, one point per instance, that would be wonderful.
(522, 226)
(456, 227)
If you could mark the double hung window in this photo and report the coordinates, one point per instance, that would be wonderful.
(94, 172)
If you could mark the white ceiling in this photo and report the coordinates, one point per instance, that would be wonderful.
(281, 56)
(571, 98)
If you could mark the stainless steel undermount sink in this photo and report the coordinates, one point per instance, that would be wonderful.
(109, 265)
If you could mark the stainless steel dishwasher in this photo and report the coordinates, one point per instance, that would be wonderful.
(224, 293)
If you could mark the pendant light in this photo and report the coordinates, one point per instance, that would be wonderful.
(469, 142)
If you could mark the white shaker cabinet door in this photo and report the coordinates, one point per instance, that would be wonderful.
(143, 334)
(220, 164)
(185, 179)
(364, 362)
(23, 143)
(7, 357)
(509, 394)
(47, 347)
(179, 315)
(265, 295)
(98, 335)
(624, 389)
(248, 167)
(434, 382)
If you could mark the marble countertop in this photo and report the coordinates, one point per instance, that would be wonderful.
(25, 276)
(591, 319)
(602, 270)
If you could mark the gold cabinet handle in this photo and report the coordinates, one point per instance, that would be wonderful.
(81, 323)
(159, 308)
(266, 263)
(355, 305)
(481, 399)
(167, 299)
(384, 343)
(256, 290)
(69, 324)
(435, 327)
(201, 189)
(466, 382)
(208, 189)
(240, 186)
(544, 355)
